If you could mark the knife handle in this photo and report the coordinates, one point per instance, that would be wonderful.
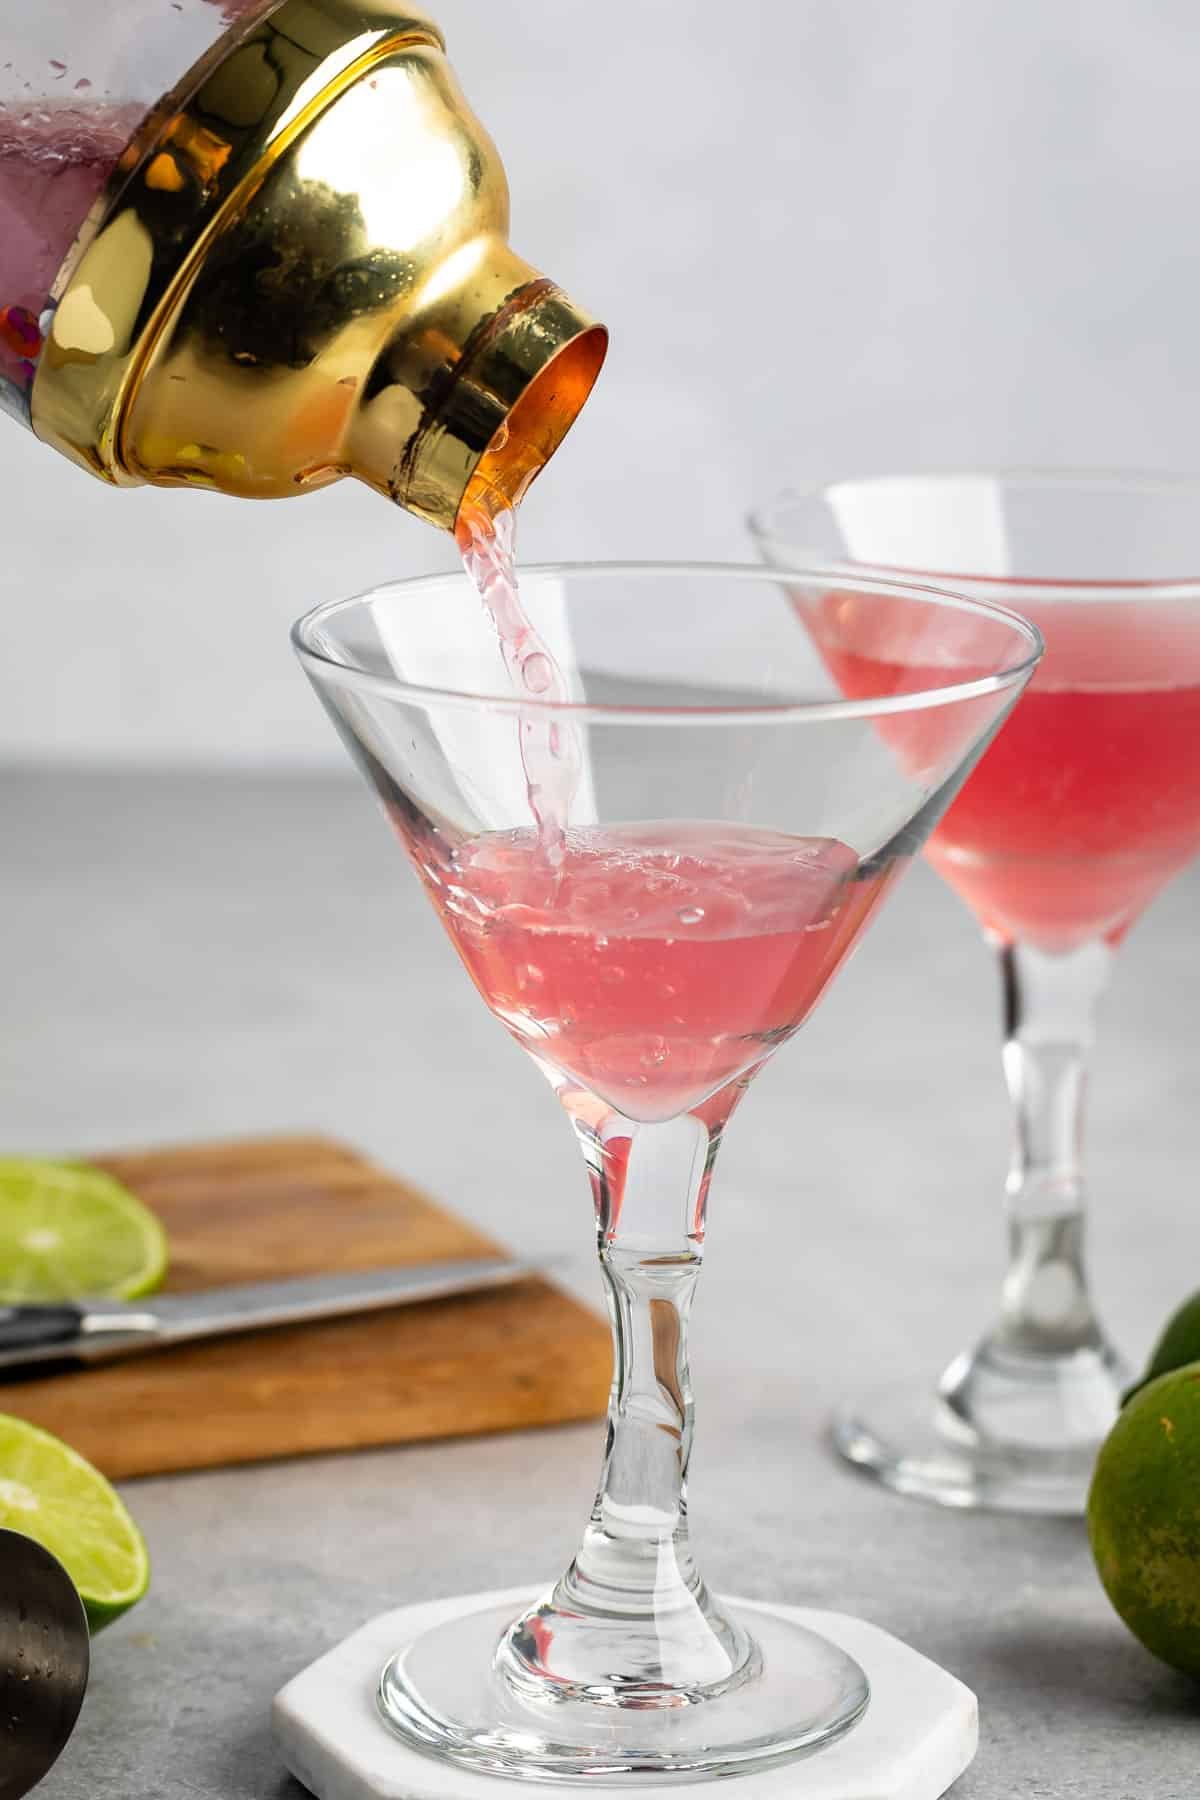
(35, 1327)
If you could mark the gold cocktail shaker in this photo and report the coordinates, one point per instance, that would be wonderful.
(300, 271)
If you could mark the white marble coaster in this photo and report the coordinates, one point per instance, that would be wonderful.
(919, 1733)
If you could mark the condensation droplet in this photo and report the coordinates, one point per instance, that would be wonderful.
(690, 915)
(537, 673)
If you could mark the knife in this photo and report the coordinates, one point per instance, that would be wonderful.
(92, 1331)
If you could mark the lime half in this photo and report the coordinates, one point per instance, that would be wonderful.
(67, 1231)
(48, 1492)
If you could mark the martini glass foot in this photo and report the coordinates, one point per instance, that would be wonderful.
(447, 1693)
(1002, 1431)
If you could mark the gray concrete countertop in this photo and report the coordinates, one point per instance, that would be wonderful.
(191, 956)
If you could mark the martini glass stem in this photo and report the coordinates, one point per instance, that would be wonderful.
(1045, 1379)
(631, 1621)
(1049, 1028)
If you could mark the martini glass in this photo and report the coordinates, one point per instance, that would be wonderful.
(729, 824)
(1066, 832)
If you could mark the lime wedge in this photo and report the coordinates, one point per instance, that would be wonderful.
(67, 1231)
(48, 1492)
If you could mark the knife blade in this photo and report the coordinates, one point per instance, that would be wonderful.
(93, 1331)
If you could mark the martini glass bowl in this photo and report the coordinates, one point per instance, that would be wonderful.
(723, 823)
(1060, 840)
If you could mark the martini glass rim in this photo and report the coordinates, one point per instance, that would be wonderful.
(764, 524)
(319, 661)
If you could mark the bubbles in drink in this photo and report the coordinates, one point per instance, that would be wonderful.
(588, 960)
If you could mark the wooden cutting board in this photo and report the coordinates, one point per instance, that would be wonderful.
(257, 1211)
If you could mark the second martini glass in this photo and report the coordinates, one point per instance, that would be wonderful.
(1086, 806)
(723, 824)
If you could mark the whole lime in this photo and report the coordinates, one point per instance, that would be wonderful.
(1178, 1344)
(1144, 1517)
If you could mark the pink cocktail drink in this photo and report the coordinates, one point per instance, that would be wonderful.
(647, 964)
(651, 964)
(1088, 801)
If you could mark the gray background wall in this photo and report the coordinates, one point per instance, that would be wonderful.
(828, 235)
